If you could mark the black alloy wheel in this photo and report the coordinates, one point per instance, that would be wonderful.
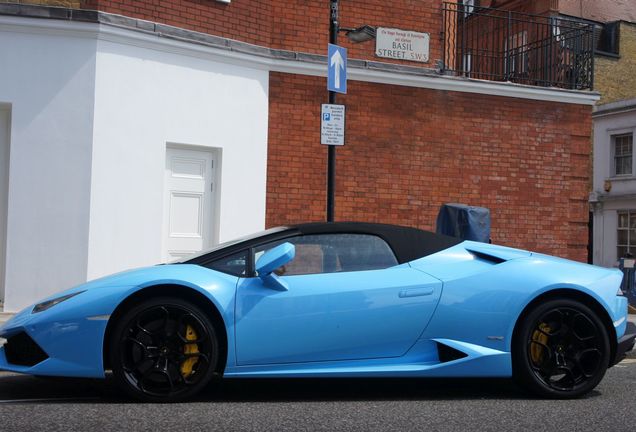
(164, 350)
(562, 350)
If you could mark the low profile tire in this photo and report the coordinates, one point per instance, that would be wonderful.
(163, 350)
(561, 351)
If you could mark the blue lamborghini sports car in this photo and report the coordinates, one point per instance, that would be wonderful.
(333, 300)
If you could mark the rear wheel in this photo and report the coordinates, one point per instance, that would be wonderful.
(562, 350)
(163, 350)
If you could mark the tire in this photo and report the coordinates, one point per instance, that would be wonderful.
(164, 350)
(561, 351)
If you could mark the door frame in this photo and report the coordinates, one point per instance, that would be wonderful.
(212, 236)
(5, 149)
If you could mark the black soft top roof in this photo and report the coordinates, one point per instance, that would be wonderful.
(407, 243)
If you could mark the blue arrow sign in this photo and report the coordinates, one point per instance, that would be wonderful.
(337, 69)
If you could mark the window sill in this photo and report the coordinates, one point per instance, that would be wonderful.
(622, 178)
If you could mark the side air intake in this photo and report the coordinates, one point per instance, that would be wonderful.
(446, 353)
(21, 350)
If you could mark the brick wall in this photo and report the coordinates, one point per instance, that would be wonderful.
(298, 25)
(410, 150)
(245, 20)
(303, 25)
(603, 11)
(615, 78)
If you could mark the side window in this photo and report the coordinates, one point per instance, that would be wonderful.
(332, 253)
(235, 264)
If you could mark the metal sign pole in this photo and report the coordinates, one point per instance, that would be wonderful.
(331, 156)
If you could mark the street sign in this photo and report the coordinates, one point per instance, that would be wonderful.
(337, 69)
(332, 124)
(402, 44)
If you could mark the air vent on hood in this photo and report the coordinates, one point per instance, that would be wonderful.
(487, 257)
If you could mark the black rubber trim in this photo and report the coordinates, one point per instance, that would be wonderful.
(626, 343)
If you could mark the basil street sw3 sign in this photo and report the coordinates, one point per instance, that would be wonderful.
(402, 44)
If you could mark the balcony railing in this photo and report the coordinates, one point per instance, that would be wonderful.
(501, 45)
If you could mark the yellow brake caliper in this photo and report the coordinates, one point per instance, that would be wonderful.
(187, 367)
(537, 349)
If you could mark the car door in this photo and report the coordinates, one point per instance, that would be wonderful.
(347, 299)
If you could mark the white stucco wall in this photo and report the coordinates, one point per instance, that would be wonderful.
(91, 116)
(147, 98)
(49, 81)
(622, 194)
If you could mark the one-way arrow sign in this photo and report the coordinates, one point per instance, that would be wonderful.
(337, 69)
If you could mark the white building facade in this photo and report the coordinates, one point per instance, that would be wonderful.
(613, 199)
(119, 151)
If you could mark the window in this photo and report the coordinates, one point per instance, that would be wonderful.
(467, 63)
(626, 235)
(516, 60)
(235, 264)
(332, 253)
(469, 6)
(622, 146)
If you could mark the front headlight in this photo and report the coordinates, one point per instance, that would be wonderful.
(41, 307)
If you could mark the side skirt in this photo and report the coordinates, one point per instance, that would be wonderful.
(420, 361)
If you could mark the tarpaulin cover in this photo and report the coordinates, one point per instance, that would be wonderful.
(465, 222)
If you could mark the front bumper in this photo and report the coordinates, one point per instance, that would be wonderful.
(53, 344)
(625, 343)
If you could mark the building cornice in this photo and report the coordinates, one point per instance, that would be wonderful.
(119, 29)
(612, 108)
(601, 197)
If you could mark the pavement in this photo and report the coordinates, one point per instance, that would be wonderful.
(324, 405)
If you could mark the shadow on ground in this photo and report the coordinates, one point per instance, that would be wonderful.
(23, 388)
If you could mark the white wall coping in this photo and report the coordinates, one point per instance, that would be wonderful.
(617, 107)
(160, 37)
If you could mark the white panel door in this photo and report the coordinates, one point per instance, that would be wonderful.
(187, 202)
(4, 189)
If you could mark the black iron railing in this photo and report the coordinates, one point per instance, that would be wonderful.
(501, 45)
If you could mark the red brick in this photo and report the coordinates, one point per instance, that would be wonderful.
(408, 154)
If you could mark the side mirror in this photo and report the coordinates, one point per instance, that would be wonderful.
(273, 259)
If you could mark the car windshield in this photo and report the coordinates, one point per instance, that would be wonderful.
(220, 246)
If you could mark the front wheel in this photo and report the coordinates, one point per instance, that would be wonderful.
(164, 350)
(562, 350)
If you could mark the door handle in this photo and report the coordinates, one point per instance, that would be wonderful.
(416, 292)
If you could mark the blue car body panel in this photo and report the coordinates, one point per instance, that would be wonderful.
(387, 322)
(72, 332)
(334, 316)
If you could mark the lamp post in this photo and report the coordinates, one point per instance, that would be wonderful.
(360, 34)
(331, 155)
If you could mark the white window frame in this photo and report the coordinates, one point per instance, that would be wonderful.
(612, 134)
(631, 242)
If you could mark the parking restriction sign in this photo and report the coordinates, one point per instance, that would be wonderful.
(332, 124)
